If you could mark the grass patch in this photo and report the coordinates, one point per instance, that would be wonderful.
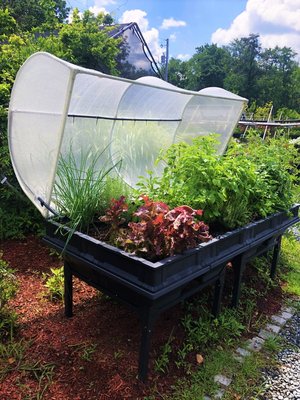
(290, 264)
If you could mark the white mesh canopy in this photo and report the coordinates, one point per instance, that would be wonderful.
(56, 106)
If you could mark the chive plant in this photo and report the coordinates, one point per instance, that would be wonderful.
(79, 187)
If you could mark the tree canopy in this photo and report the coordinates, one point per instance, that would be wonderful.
(245, 68)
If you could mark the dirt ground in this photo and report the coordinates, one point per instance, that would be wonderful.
(94, 354)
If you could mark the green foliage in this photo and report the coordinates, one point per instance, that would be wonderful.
(275, 160)
(161, 363)
(249, 181)
(289, 261)
(205, 331)
(78, 188)
(80, 42)
(8, 289)
(31, 14)
(55, 283)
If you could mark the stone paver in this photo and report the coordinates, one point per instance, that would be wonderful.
(242, 352)
(273, 328)
(286, 315)
(278, 320)
(222, 380)
(255, 344)
(219, 394)
(266, 334)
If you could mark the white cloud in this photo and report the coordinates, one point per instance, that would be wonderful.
(151, 35)
(97, 10)
(183, 57)
(172, 37)
(172, 23)
(138, 16)
(276, 21)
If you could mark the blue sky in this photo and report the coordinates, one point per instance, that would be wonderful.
(191, 23)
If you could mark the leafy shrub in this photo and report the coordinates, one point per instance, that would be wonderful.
(159, 230)
(8, 289)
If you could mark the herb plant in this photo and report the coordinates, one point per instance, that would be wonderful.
(79, 187)
(250, 181)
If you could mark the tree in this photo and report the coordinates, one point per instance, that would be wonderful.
(31, 14)
(277, 66)
(208, 67)
(244, 69)
(177, 73)
(81, 42)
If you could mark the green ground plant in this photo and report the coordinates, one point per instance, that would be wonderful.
(290, 264)
(8, 288)
(54, 283)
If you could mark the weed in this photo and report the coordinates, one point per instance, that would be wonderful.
(118, 354)
(162, 362)
(87, 352)
(273, 344)
(11, 356)
(55, 283)
(290, 263)
(8, 288)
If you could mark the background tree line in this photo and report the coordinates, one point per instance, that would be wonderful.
(28, 26)
(243, 67)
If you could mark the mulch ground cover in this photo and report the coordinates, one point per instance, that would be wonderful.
(94, 354)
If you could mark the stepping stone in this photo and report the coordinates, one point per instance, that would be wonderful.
(278, 320)
(222, 380)
(286, 315)
(239, 358)
(219, 394)
(265, 334)
(289, 310)
(272, 328)
(255, 344)
(242, 352)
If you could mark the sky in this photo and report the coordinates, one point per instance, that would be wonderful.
(192, 23)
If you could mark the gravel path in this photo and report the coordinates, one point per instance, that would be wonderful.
(284, 382)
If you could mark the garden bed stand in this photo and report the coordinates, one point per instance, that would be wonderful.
(151, 288)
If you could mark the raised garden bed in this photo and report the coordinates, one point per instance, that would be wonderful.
(152, 287)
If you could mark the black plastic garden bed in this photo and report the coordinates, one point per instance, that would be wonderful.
(151, 287)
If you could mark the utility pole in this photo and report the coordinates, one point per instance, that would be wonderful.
(167, 60)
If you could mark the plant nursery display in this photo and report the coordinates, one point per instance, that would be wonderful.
(143, 201)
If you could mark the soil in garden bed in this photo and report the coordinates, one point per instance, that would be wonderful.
(93, 355)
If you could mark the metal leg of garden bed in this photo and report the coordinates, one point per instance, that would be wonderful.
(68, 290)
(147, 319)
(275, 257)
(219, 285)
(238, 264)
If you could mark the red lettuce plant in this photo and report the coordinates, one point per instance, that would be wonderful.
(159, 232)
(115, 217)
